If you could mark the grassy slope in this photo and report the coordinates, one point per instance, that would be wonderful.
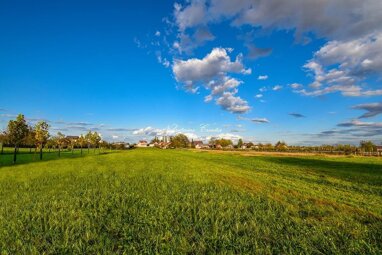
(181, 201)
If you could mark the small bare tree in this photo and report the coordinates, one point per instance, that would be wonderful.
(41, 131)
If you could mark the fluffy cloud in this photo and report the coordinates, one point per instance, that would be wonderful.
(171, 131)
(277, 88)
(227, 136)
(373, 109)
(232, 103)
(335, 19)
(150, 131)
(214, 65)
(228, 84)
(192, 136)
(190, 16)
(340, 66)
(352, 27)
(211, 72)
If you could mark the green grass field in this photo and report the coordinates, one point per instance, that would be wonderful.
(173, 202)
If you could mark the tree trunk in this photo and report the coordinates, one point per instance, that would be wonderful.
(34, 154)
(88, 148)
(30, 150)
(41, 153)
(14, 155)
(59, 151)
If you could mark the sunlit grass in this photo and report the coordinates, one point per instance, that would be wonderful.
(174, 201)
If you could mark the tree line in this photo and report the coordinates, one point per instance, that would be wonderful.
(20, 134)
(364, 148)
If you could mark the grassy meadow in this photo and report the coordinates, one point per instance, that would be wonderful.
(151, 201)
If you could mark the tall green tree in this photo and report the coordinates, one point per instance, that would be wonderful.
(180, 141)
(41, 132)
(367, 146)
(240, 143)
(17, 131)
(223, 142)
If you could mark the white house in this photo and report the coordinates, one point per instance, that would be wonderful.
(379, 150)
(142, 144)
(199, 144)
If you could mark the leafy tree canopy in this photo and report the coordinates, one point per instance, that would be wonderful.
(180, 141)
(41, 133)
(17, 130)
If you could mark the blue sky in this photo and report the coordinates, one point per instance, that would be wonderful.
(305, 73)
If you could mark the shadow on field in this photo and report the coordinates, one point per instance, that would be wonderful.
(23, 158)
(355, 171)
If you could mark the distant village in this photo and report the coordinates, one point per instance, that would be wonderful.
(366, 148)
(165, 143)
(19, 134)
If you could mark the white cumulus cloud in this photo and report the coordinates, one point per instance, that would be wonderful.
(341, 66)
(353, 29)
(212, 72)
